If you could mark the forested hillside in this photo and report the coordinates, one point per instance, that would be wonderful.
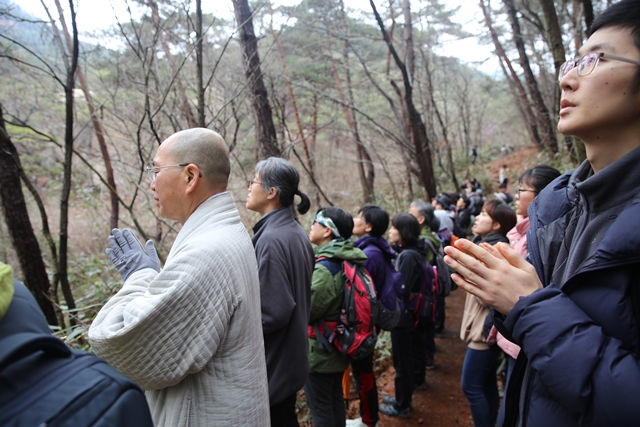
(357, 100)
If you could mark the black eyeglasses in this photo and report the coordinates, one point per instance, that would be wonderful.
(588, 62)
(522, 190)
(250, 183)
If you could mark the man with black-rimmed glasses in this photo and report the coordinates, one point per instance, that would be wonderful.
(576, 311)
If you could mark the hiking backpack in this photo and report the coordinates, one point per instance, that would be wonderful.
(423, 302)
(390, 308)
(457, 229)
(441, 270)
(354, 335)
(73, 388)
(389, 295)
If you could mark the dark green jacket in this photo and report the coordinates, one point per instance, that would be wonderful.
(327, 294)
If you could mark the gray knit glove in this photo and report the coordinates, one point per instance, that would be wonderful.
(128, 255)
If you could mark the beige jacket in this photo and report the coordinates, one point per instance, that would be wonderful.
(475, 311)
(191, 335)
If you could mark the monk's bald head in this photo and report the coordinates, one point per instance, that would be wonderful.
(205, 148)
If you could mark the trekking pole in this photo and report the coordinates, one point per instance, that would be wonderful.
(346, 386)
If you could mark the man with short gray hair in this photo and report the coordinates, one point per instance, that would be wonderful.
(190, 333)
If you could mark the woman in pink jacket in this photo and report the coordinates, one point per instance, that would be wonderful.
(531, 183)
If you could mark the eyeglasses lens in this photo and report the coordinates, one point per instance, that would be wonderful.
(587, 64)
(565, 68)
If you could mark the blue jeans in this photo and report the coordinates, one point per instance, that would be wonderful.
(479, 385)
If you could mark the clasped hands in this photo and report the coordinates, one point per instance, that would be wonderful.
(498, 275)
(128, 255)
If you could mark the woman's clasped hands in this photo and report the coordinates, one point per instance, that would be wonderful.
(498, 275)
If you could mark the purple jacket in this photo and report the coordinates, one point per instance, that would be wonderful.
(378, 252)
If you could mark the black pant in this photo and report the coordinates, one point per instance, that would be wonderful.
(283, 414)
(430, 340)
(366, 387)
(424, 347)
(440, 314)
(401, 351)
(325, 399)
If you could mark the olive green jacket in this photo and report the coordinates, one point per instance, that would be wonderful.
(327, 295)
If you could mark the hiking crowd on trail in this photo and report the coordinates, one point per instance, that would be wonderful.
(230, 328)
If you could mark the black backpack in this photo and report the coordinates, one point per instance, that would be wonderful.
(441, 270)
(458, 231)
(71, 388)
(423, 302)
(389, 295)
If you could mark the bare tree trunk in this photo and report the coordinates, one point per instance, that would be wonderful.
(22, 236)
(554, 34)
(418, 129)
(314, 125)
(366, 171)
(547, 129)
(588, 13)
(199, 62)
(267, 139)
(576, 20)
(580, 9)
(314, 135)
(294, 104)
(409, 53)
(443, 125)
(68, 156)
(554, 39)
(520, 94)
(97, 127)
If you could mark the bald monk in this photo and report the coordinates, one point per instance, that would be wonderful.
(190, 333)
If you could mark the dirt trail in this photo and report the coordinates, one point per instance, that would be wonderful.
(442, 404)
(517, 162)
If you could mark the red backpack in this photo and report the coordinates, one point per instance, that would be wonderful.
(354, 335)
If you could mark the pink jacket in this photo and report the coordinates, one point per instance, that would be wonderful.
(518, 237)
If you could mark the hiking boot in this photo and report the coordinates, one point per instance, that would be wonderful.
(429, 363)
(388, 400)
(393, 412)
